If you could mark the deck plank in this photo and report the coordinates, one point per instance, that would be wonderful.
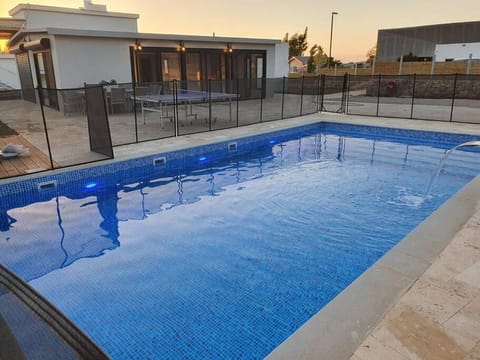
(36, 160)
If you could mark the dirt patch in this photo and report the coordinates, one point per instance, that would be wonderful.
(6, 131)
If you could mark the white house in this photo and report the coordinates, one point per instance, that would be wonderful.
(298, 64)
(63, 48)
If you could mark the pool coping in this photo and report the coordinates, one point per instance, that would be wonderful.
(340, 327)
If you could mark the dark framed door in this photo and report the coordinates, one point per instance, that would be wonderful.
(147, 72)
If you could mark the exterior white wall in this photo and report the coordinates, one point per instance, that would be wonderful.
(457, 51)
(281, 60)
(35, 19)
(89, 60)
(9, 71)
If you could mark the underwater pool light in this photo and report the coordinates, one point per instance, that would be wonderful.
(272, 141)
(90, 185)
(202, 158)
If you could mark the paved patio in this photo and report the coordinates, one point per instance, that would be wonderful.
(69, 141)
(439, 316)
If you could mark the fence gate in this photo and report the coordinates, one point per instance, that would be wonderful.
(98, 128)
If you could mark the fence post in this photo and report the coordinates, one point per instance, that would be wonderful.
(453, 96)
(400, 66)
(469, 63)
(283, 96)
(301, 95)
(432, 70)
(413, 94)
(134, 85)
(238, 96)
(175, 107)
(318, 93)
(378, 92)
(344, 94)
(322, 92)
(209, 105)
(39, 88)
(261, 100)
(348, 94)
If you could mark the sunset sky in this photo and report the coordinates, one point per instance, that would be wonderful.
(355, 27)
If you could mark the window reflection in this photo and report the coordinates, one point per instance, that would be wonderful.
(170, 62)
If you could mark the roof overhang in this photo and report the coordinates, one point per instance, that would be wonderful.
(8, 27)
(140, 36)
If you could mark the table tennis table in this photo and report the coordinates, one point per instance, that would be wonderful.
(159, 103)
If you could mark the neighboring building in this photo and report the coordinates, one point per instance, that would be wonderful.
(298, 64)
(454, 52)
(421, 40)
(64, 48)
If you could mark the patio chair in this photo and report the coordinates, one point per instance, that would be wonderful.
(118, 97)
(73, 102)
(154, 89)
(141, 90)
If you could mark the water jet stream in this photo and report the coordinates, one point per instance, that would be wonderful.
(442, 163)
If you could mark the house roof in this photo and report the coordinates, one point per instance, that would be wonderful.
(57, 9)
(139, 36)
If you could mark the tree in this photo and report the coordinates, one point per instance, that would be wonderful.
(321, 59)
(297, 44)
(371, 54)
(311, 64)
(334, 62)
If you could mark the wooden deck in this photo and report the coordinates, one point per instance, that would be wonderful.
(35, 161)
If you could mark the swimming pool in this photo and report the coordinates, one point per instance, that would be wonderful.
(224, 251)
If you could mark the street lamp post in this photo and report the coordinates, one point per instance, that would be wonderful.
(331, 36)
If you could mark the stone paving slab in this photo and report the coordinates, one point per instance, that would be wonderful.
(439, 317)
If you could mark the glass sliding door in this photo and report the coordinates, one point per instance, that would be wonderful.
(193, 71)
(215, 69)
(170, 64)
(147, 72)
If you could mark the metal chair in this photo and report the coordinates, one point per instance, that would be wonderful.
(118, 97)
(73, 102)
(154, 89)
(141, 90)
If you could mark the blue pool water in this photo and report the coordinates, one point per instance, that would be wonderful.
(223, 253)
